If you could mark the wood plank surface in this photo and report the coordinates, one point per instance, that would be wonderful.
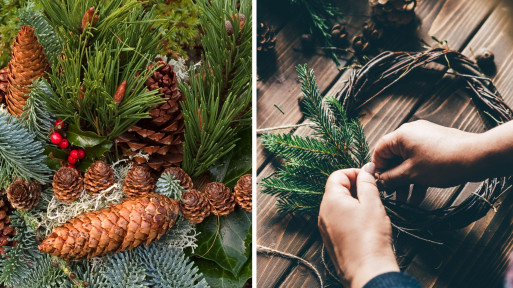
(457, 22)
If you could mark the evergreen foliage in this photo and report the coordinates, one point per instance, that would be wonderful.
(338, 143)
(36, 118)
(218, 98)
(118, 47)
(168, 186)
(21, 154)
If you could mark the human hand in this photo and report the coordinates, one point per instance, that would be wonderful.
(425, 153)
(355, 228)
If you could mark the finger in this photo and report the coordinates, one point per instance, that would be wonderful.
(366, 185)
(395, 177)
(387, 152)
(340, 182)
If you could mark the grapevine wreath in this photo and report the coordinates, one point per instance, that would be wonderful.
(340, 142)
(120, 167)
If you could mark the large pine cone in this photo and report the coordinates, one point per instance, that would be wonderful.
(67, 184)
(114, 229)
(243, 192)
(179, 174)
(138, 182)
(28, 62)
(24, 195)
(393, 12)
(4, 81)
(99, 177)
(266, 38)
(195, 206)
(221, 199)
(162, 135)
(6, 231)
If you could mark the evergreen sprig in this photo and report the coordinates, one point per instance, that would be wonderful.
(168, 186)
(217, 102)
(339, 143)
(36, 117)
(21, 154)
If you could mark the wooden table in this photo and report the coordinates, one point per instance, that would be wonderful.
(476, 256)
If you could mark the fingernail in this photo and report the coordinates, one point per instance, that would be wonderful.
(369, 168)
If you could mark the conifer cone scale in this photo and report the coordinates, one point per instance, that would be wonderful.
(120, 227)
(24, 195)
(67, 184)
(195, 206)
(243, 192)
(221, 199)
(98, 178)
(28, 62)
(162, 135)
(138, 182)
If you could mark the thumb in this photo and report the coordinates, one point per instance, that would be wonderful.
(396, 176)
(367, 189)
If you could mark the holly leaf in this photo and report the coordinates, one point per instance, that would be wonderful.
(219, 278)
(236, 164)
(226, 240)
(84, 139)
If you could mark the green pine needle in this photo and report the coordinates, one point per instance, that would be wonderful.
(169, 186)
(36, 117)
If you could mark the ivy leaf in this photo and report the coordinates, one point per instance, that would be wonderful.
(226, 240)
(220, 278)
(84, 139)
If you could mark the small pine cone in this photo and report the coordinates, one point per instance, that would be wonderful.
(98, 178)
(6, 231)
(4, 81)
(67, 184)
(266, 38)
(195, 206)
(339, 35)
(138, 182)
(393, 13)
(117, 228)
(221, 199)
(179, 174)
(24, 195)
(243, 192)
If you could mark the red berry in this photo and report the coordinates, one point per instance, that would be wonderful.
(72, 160)
(59, 123)
(70, 166)
(81, 153)
(74, 154)
(64, 144)
(56, 138)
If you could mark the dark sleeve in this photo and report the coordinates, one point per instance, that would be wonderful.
(393, 280)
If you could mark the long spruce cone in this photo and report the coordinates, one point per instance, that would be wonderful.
(220, 197)
(162, 135)
(24, 195)
(28, 62)
(118, 228)
(243, 192)
(99, 177)
(195, 206)
(179, 174)
(6, 230)
(138, 182)
(67, 184)
(4, 82)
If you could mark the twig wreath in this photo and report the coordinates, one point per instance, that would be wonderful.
(338, 141)
(386, 71)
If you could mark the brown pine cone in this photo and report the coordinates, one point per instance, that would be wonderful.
(28, 62)
(6, 231)
(162, 135)
(179, 174)
(98, 177)
(118, 228)
(339, 35)
(266, 38)
(4, 81)
(393, 13)
(24, 195)
(138, 182)
(195, 206)
(243, 192)
(67, 184)
(220, 197)
(368, 40)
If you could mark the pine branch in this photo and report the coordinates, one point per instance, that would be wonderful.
(218, 99)
(21, 155)
(36, 117)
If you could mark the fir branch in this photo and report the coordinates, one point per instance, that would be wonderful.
(36, 118)
(169, 186)
(21, 155)
(217, 102)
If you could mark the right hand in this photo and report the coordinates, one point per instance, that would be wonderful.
(425, 153)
